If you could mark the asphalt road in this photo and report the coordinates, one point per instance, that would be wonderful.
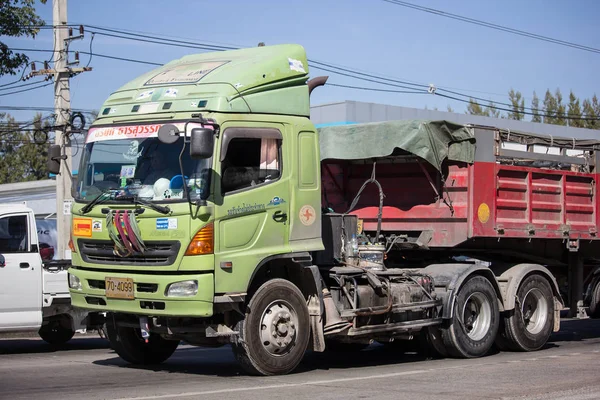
(568, 368)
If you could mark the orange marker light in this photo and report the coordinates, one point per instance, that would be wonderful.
(203, 241)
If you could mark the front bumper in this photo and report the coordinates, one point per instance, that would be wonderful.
(149, 294)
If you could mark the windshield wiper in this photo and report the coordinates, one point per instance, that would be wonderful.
(96, 200)
(149, 204)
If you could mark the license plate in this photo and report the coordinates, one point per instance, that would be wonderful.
(119, 288)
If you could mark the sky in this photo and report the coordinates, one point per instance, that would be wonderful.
(372, 36)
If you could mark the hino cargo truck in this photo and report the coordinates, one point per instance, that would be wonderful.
(209, 209)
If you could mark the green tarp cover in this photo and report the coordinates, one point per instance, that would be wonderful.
(434, 141)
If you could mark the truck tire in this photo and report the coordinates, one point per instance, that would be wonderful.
(595, 301)
(530, 324)
(57, 331)
(274, 334)
(474, 324)
(130, 346)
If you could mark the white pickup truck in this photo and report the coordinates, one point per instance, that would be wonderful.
(34, 294)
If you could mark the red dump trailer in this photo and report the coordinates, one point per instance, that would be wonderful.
(511, 197)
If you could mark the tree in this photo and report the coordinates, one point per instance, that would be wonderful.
(535, 108)
(550, 108)
(22, 158)
(474, 108)
(518, 105)
(492, 111)
(590, 114)
(574, 114)
(17, 18)
(561, 111)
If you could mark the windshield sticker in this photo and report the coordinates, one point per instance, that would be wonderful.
(185, 73)
(276, 201)
(246, 208)
(145, 95)
(97, 225)
(171, 92)
(127, 171)
(133, 153)
(296, 65)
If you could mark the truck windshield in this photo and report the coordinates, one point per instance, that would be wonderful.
(140, 165)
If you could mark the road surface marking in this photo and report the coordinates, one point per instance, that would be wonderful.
(280, 386)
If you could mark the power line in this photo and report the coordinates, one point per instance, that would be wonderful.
(375, 89)
(27, 90)
(120, 58)
(494, 26)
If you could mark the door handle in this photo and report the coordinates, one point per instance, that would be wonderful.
(279, 216)
(24, 265)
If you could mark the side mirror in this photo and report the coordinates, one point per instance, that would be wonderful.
(54, 157)
(202, 143)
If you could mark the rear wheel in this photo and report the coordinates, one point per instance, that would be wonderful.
(131, 347)
(57, 331)
(475, 320)
(595, 301)
(274, 334)
(529, 325)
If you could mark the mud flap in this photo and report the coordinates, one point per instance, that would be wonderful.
(557, 307)
(316, 323)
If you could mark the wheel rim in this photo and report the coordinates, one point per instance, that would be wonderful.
(534, 311)
(278, 328)
(477, 315)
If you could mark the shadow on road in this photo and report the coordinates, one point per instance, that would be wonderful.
(574, 330)
(220, 361)
(33, 345)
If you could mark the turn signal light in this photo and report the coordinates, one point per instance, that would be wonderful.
(203, 241)
(72, 245)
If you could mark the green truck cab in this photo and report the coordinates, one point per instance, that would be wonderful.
(200, 215)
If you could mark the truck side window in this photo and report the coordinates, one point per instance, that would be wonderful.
(250, 162)
(13, 234)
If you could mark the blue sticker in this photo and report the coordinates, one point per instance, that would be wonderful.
(162, 223)
(276, 201)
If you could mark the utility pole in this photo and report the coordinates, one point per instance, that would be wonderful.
(62, 72)
(62, 109)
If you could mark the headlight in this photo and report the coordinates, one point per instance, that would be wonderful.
(182, 289)
(74, 282)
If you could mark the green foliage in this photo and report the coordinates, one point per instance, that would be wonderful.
(535, 108)
(561, 111)
(474, 108)
(22, 158)
(550, 108)
(17, 18)
(518, 105)
(574, 114)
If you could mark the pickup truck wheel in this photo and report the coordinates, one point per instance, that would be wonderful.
(595, 301)
(529, 325)
(55, 332)
(130, 346)
(475, 320)
(274, 334)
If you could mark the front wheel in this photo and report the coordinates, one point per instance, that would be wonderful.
(529, 325)
(131, 347)
(274, 334)
(475, 320)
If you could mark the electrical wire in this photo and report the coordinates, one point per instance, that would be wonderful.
(121, 58)
(27, 90)
(374, 89)
(494, 26)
